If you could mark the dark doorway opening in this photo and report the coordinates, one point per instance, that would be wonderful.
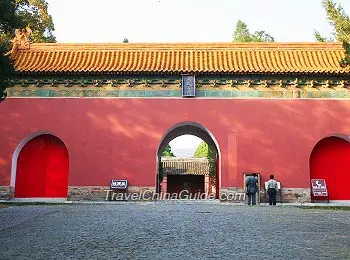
(191, 183)
(205, 181)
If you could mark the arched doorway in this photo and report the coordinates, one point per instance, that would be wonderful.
(330, 160)
(42, 168)
(190, 128)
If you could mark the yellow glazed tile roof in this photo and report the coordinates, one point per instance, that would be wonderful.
(226, 58)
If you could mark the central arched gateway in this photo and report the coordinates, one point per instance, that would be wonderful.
(191, 128)
(330, 160)
(42, 168)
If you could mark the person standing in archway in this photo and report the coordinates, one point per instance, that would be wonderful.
(272, 188)
(252, 188)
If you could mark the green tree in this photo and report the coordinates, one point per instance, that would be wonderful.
(321, 38)
(204, 151)
(28, 13)
(340, 23)
(35, 15)
(8, 21)
(126, 40)
(242, 34)
(262, 36)
(167, 151)
(8, 17)
(18, 14)
(6, 70)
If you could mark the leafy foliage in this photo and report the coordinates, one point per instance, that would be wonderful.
(8, 20)
(160, 171)
(125, 40)
(321, 38)
(167, 152)
(6, 70)
(262, 36)
(242, 34)
(18, 14)
(8, 16)
(340, 22)
(35, 15)
(204, 151)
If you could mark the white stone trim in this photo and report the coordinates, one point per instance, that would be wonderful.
(340, 202)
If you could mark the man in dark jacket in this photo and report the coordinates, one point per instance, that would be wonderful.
(252, 188)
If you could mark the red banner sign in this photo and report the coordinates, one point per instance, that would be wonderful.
(319, 187)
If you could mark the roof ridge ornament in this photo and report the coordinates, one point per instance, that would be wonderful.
(20, 41)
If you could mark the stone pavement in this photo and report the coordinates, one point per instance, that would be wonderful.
(171, 230)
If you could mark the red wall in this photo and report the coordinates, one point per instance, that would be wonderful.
(118, 138)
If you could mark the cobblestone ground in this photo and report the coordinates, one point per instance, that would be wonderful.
(172, 231)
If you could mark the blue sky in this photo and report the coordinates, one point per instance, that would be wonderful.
(186, 21)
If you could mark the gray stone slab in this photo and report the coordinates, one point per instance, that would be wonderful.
(172, 230)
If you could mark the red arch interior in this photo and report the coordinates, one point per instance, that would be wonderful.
(42, 168)
(330, 160)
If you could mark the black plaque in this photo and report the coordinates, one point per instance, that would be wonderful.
(188, 86)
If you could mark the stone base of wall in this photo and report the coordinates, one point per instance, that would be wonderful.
(97, 193)
(298, 195)
(6, 193)
(232, 194)
(100, 192)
